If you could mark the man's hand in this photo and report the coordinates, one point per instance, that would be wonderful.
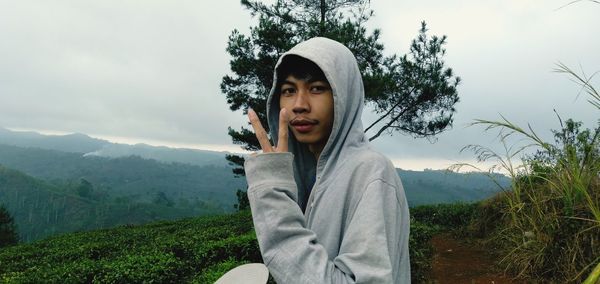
(261, 134)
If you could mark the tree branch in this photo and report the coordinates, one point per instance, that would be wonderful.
(388, 112)
(389, 123)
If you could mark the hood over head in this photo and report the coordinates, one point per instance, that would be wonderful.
(341, 70)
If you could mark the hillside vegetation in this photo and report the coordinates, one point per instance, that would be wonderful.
(130, 178)
(140, 179)
(164, 252)
(51, 192)
(194, 250)
(547, 226)
(41, 209)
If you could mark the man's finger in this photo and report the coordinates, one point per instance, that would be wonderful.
(260, 132)
(282, 144)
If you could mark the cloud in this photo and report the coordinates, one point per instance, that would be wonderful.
(505, 53)
(151, 70)
(118, 68)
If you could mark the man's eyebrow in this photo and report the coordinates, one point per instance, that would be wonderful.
(312, 80)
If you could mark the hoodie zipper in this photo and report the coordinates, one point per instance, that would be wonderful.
(310, 202)
(311, 196)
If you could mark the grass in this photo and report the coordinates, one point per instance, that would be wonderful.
(547, 224)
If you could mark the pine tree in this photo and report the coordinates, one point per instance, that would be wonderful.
(414, 93)
(8, 229)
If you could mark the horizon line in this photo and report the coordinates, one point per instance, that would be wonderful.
(424, 164)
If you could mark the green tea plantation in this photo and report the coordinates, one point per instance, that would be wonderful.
(193, 250)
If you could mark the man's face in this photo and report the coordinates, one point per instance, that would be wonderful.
(309, 105)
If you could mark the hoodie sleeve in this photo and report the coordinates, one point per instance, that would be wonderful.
(292, 252)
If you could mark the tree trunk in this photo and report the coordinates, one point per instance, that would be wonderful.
(322, 23)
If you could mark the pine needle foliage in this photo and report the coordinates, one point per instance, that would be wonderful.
(8, 229)
(414, 93)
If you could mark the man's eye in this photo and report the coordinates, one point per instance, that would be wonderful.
(287, 91)
(318, 89)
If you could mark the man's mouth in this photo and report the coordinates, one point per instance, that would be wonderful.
(303, 125)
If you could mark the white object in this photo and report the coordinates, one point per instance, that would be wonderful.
(251, 273)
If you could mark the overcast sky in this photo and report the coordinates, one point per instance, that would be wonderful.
(149, 71)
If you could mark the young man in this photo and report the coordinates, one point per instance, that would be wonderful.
(326, 207)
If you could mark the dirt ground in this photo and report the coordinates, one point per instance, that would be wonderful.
(459, 261)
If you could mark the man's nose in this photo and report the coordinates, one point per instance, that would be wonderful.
(301, 103)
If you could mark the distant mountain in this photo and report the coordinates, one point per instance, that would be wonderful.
(441, 186)
(78, 143)
(163, 154)
(141, 179)
(81, 143)
(132, 177)
(93, 175)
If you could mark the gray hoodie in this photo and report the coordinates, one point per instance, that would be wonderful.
(356, 224)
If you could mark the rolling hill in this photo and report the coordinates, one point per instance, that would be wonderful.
(55, 184)
(41, 209)
(88, 146)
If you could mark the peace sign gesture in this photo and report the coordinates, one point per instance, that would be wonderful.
(261, 134)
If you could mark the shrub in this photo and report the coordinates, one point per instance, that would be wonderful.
(421, 250)
(162, 252)
(448, 216)
(549, 221)
(214, 272)
(8, 229)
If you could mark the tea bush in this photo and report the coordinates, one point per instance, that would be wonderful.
(447, 216)
(195, 250)
(428, 220)
(163, 252)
